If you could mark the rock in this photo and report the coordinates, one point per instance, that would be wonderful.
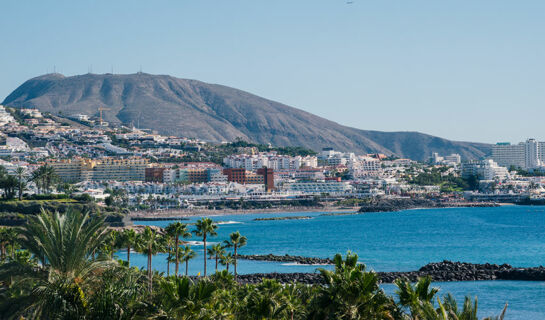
(286, 258)
(397, 204)
(439, 271)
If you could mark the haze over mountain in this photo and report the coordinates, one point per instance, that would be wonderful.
(212, 112)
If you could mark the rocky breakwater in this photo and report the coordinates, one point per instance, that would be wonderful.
(523, 274)
(397, 204)
(286, 258)
(444, 271)
(451, 271)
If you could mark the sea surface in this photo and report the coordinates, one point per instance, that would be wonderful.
(398, 241)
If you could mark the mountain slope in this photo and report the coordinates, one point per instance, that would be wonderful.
(213, 112)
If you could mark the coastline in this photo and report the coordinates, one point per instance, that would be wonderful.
(399, 204)
(181, 214)
(185, 213)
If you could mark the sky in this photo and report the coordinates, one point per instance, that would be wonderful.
(459, 69)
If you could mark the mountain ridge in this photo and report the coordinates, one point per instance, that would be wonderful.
(216, 113)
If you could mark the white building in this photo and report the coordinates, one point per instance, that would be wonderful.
(319, 187)
(485, 170)
(526, 155)
(532, 159)
(364, 166)
(451, 160)
(269, 160)
(491, 171)
(5, 117)
(33, 113)
(331, 157)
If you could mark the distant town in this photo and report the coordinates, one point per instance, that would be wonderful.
(141, 170)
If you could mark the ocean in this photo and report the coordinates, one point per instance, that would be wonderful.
(398, 241)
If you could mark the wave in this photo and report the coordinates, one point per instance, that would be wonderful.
(227, 222)
(200, 243)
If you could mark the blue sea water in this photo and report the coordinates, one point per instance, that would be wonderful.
(400, 241)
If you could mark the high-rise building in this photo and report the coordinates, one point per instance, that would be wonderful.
(532, 154)
(268, 177)
(526, 155)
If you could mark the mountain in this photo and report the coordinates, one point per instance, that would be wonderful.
(214, 112)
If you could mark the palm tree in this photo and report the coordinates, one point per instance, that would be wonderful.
(55, 288)
(170, 259)
(291, 300)
(177, 230)
(236, 241)
(10, 235)
(413, 296)
(21, 183)
(182, 299)
(216, 250)
(350, 292)
(38, 176)
(128, 239)
(187, 254)
(226, 260)
(111, 244)
(3, 242)
(50, 177)
(9, 184)
(148, 242)
(266, 302)
(168, 246)
(468, 312)
(205, 227)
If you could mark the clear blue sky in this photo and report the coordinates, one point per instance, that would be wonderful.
(465, 69)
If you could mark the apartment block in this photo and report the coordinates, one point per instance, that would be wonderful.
(77, 170)
(526, 155)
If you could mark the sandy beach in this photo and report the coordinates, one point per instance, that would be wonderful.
(182, 213)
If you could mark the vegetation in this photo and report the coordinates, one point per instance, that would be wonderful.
(177, 230)
(216, 153)
(447, 181)
(236, 241)
(60, 266)
(205, 227)
(526, 173)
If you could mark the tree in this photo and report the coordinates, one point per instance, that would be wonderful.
(350, 292)
(412, 297)
(9, 184)
(266, 301)
(182, 299)
(112, 243)
(217, 250)
(205, 227)
(168, 243)
(128, 239)
(177, 230)
(148, 242)
(57, 287)
(44, 177)
(3, 243)
(8, 237)
(226, 260)
(187, 254)
(109, 201)
(20, 173)
(236, 241)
